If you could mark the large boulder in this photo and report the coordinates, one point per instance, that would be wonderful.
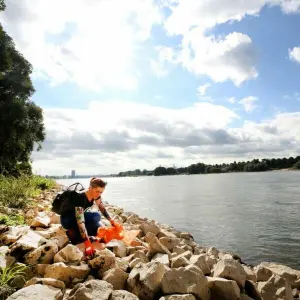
(55, 232)
(187, 254)
(149, 237)
(118, 247)
(162, 258)
(165, 233)
(178, 250)
(123, 295)
(40, 269)
(131, 250)
(190, 244)
(43, 254)
(230, 269)
(224, 289)
(69, 254)
(200, 261)
(275, 288)
(262, 273)
(179, 261)
(144, 280)
(250, 274)
(169, 242)
(28, 242)
(116, 277)
(91, 290)
(140, 254)
(135, 262)
(66, 273)
(185, 281)
(103, 261)
(41, 220)
(290, 275)
(37, 292)
(13, 234)
(122, 263)
(149, 227)
(155, 247)
(46, 281)
(211, 261)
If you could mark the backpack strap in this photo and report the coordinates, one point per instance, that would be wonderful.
(76, 185)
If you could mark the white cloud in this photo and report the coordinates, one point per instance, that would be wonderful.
(294, 54)
(208, 13)
(290, 6)
(166, 56)
(232, 58)
(231, 100)
(92, 43)
(126, 131)
(249, 103)
(158, 69)
(100, 44)
(203, 88)
(118, 136)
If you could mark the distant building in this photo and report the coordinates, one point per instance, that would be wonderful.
(73, 174)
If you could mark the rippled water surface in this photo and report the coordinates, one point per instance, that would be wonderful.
(256, 215)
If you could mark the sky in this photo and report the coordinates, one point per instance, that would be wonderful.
(137, 84)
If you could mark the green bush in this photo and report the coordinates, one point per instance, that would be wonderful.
(16, 192)
(12, 220)
(297, 165)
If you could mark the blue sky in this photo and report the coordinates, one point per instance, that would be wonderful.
(153, 82)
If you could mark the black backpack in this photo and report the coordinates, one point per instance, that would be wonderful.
(62, 201)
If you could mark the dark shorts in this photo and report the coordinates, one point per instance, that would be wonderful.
(69, 222)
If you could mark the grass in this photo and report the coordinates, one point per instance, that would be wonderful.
(12, 220)
(7, 276)
(16, 192)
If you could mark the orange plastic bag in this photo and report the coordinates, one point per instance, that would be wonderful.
(110, 233)
(117, 232)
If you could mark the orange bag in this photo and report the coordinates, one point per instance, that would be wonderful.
(117, 232)
(110, 233)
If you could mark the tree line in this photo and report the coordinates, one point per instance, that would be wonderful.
(255, 165)
(21, 120)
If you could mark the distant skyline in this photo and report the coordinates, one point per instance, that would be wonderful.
(142, 83)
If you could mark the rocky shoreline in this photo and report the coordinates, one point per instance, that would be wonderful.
(161, 263)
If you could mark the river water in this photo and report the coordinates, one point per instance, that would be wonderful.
(255, 215)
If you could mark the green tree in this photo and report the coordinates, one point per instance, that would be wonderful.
(2, 5)
(297, 165)
(171, 171)
(160, 171)
(21, 120)
(196, 168)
